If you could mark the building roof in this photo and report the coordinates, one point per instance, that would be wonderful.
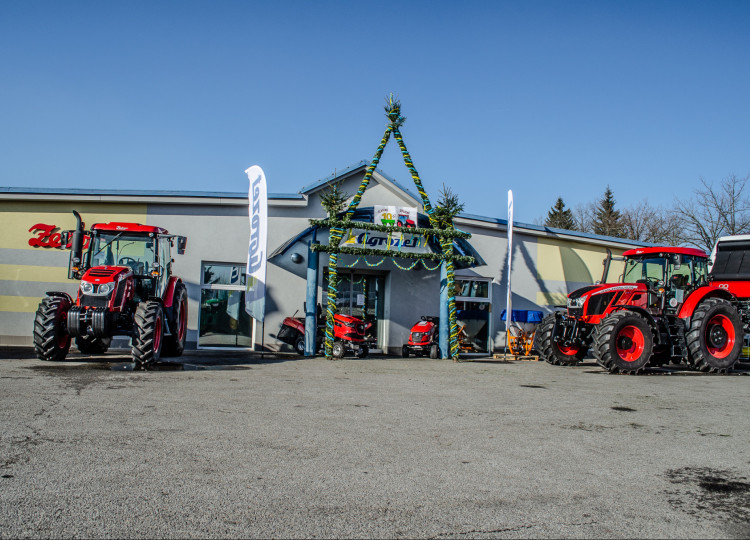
(298, 199)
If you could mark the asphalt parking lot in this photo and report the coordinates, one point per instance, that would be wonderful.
(225, 445)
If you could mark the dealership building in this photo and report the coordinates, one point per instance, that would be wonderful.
(392, 293)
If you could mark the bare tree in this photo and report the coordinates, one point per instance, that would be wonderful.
(583, 216)
(714, 211)
(646, 223)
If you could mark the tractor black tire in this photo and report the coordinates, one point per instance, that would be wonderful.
(405, 351)
(338, 349)
(715, 337)
(434, 351)
(174, 344)
(299, 345)
(51, 338)
(148, 333)
(550, 351)
(623, 343)
(93, 345)
(362, 351)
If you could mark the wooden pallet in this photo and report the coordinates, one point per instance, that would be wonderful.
(514, 357)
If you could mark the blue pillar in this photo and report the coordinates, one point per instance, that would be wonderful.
(311, 322)
(444, 327)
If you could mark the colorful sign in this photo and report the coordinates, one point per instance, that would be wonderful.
(255, 294)
(395, 216)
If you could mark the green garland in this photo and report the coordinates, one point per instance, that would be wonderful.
(367, 226)
(464, 259)
(444, 232)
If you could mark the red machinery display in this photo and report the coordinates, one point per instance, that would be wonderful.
(350, 335)
(126, 289)
(665, 307)
(423, 338)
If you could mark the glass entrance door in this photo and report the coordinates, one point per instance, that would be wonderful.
(359, 295)
(223, 321)
(473, 305)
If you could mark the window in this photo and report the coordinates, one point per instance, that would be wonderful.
(223, 321)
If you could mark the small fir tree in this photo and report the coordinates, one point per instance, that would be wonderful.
(607, 220)
(560, 217)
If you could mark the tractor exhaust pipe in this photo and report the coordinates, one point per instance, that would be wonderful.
(76, 249)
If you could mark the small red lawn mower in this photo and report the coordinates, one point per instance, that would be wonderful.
(348, 332)
(423, 338)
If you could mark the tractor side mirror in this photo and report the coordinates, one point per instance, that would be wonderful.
(181, 244)
(65, 238)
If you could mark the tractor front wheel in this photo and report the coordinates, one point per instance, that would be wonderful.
(715, 337)
(434, 351)
(299, 345)
(623, 342)
(338, 350)
(551, 351)
(147, 340)
(405, 351)
(51, 338)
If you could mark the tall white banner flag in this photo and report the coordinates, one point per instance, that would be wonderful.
(509, 297)
(255, 294)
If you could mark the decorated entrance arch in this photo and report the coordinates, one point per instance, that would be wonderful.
(441, 228)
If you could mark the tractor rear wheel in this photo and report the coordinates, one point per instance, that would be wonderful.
(147, 340)
(715, 336)
(553, 352)
(93, 345)
(174, 344)
(623, 342)
(51, 338)
(362, 351)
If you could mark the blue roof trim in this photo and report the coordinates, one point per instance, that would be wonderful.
(141, 193)
(338, 174)
(553, 230)
(352, 168)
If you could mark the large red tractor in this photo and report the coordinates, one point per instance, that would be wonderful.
(665, 307)
(126, 289)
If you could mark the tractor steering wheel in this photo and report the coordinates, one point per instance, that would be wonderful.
(650, 282)
(128, 261)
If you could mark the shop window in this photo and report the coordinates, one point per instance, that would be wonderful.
(223, 321)
(473, 305)
(359, 295)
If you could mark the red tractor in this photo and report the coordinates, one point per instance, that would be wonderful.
(664, 308)
(127, 289)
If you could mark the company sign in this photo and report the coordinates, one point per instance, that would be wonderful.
(398, 216)
(48, 236)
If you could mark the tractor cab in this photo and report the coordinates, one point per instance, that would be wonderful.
(667, 275)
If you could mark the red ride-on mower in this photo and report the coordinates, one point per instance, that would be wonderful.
(423, 339)
(348, 332)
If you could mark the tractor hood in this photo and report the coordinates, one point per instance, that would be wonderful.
(597, 297)
(105, 274)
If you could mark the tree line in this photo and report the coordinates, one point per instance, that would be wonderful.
(715, 209)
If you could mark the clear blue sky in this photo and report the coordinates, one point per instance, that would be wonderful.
(549, 99)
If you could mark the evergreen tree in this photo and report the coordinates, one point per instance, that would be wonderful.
(560, 217)
(608, 221)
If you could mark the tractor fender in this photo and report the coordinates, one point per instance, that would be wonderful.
(61, 294)
(169, 292)
(640, 311)
(697, 296)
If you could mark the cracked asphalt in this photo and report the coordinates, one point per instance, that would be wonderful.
(222, 445)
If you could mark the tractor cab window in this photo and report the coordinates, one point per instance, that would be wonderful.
(644, 270)
(684, 272)
(134, 250)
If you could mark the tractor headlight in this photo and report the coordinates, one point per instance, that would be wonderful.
(105, 288)
(98, 290)
(576, 302)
